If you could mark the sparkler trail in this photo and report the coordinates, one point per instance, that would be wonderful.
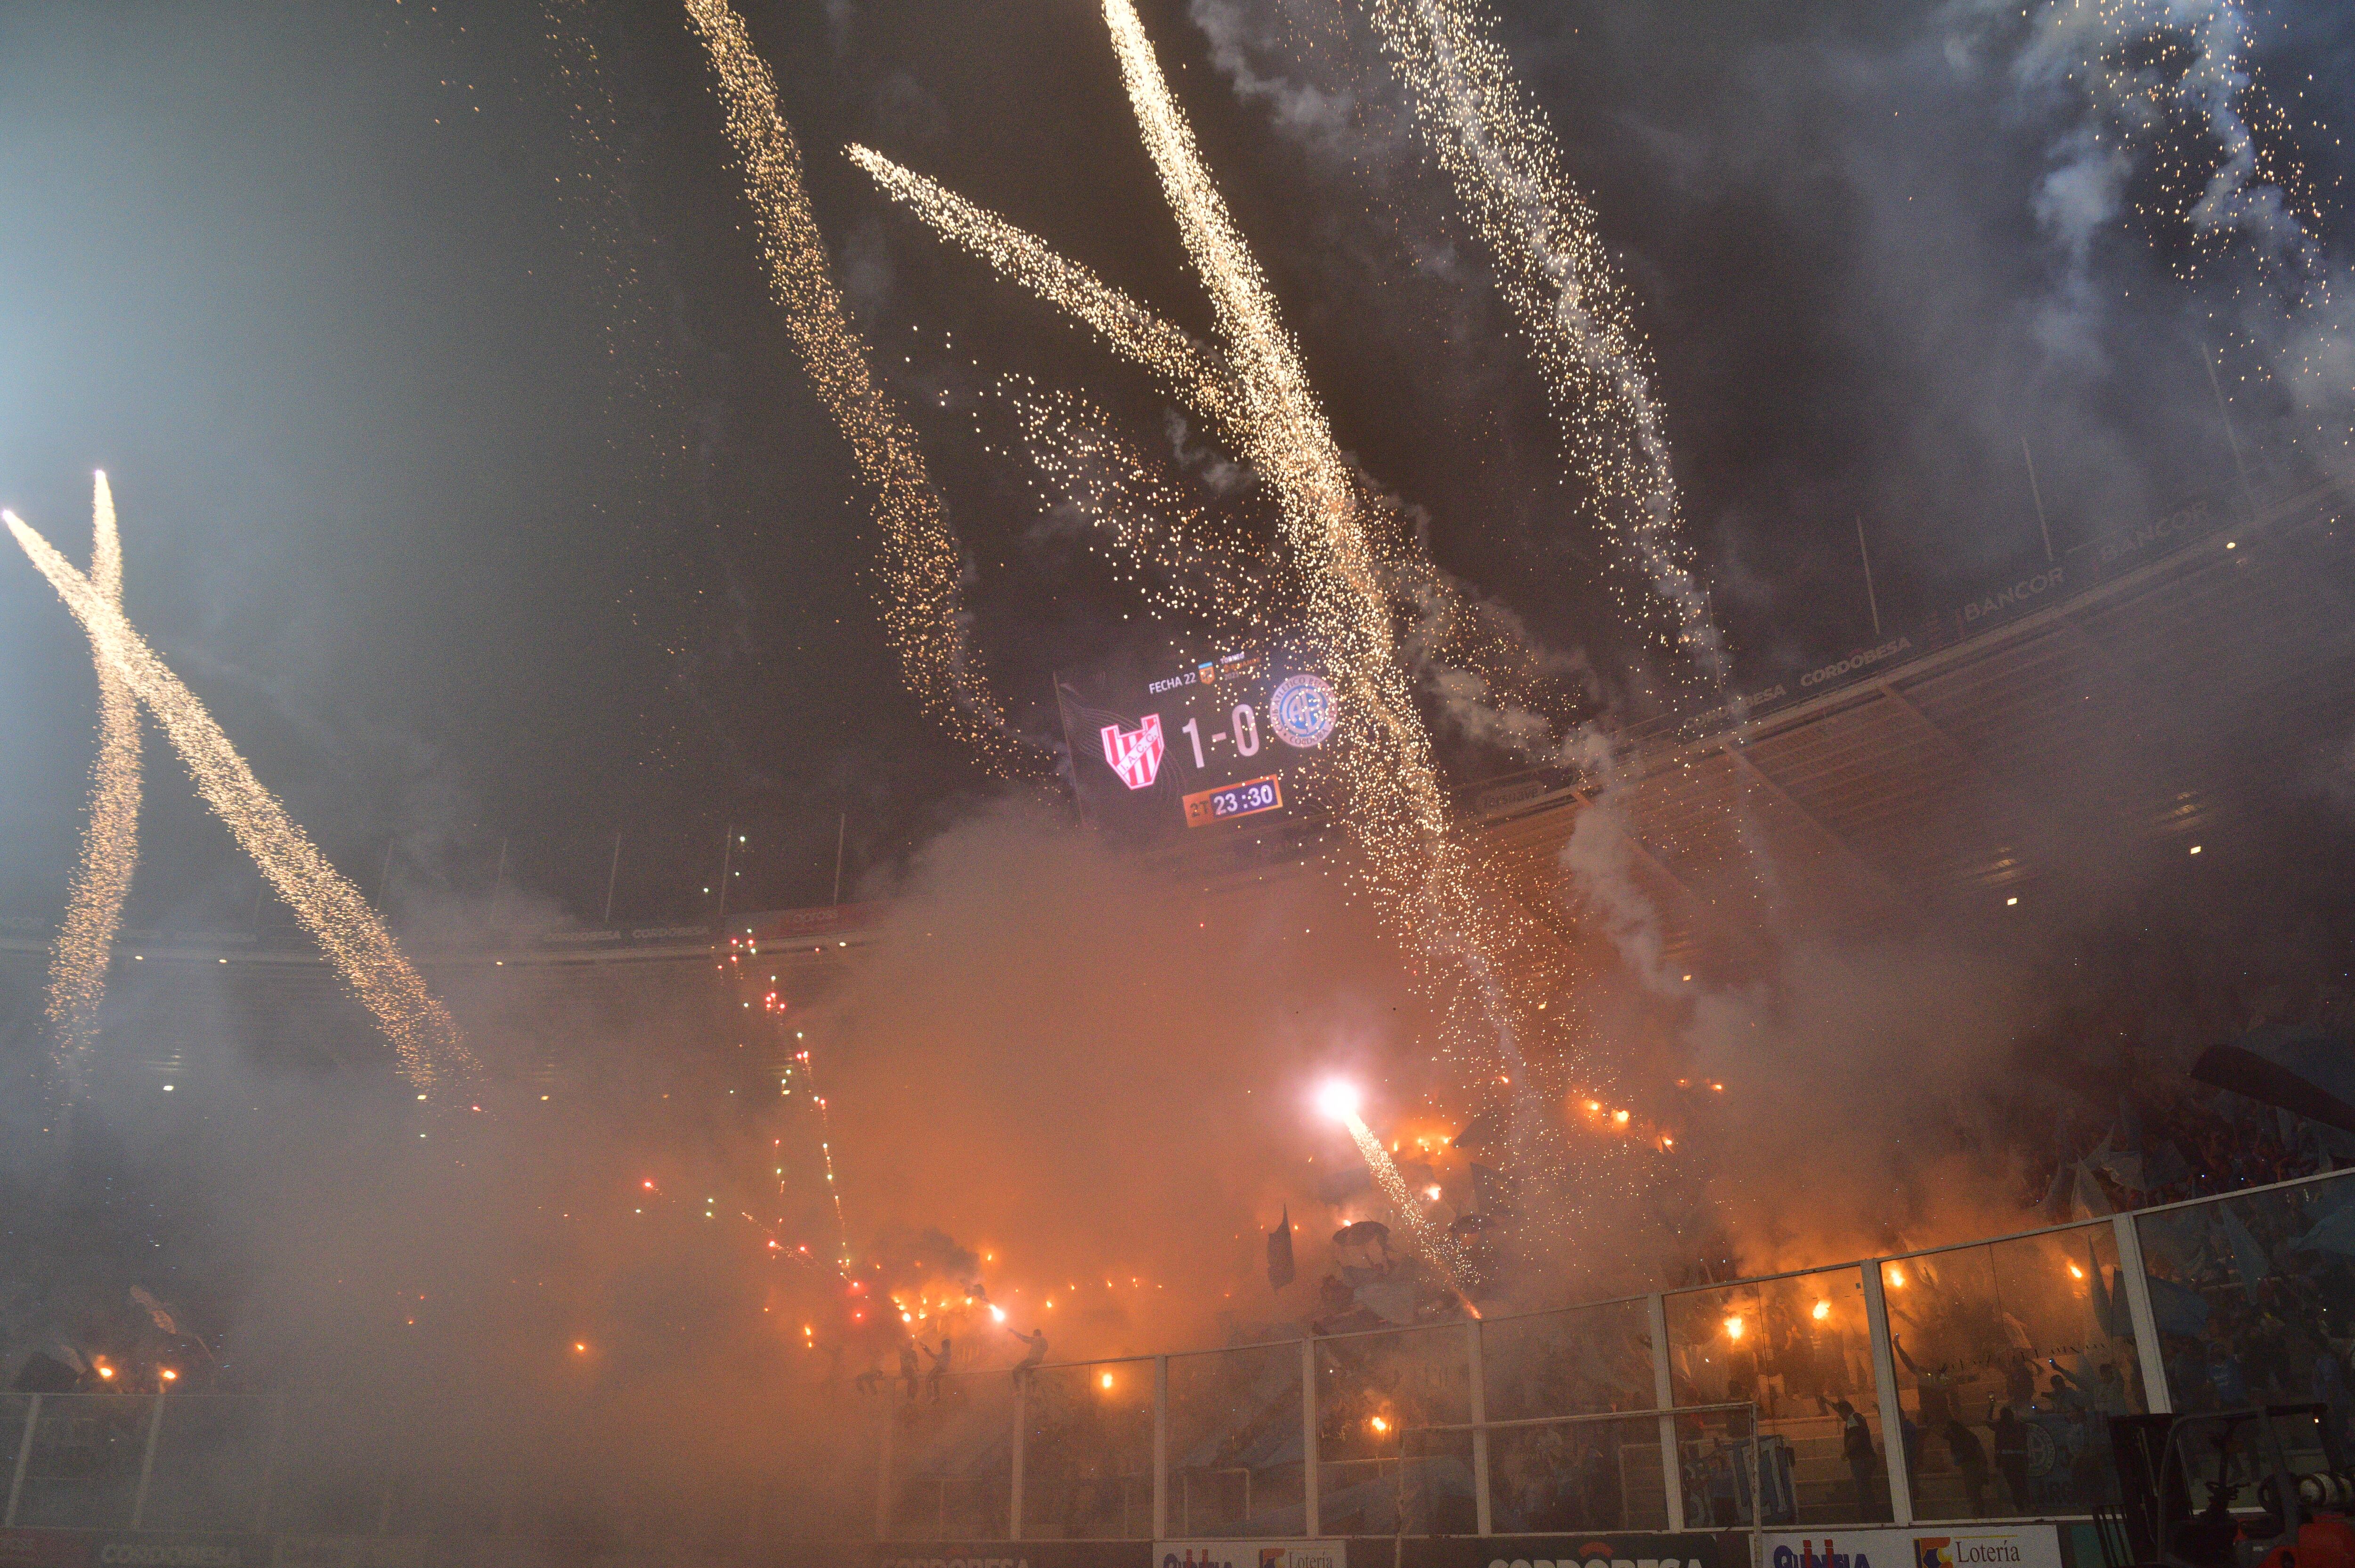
(1554, 271)
(1393, 808)
(109, 844)
(1436, 1245)
(921, 567)
(2187, 135)
(1192, 371)
(1156, 529)
(2173, 77)
(423, 1033)
(1344, 556)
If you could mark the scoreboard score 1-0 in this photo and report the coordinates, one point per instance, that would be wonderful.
(1193, 743)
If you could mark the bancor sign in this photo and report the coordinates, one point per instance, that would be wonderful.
(1249, 1553)
(1923, 1546)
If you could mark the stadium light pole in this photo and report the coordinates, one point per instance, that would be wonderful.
(727, 853)
(611, 872)
(841, 834)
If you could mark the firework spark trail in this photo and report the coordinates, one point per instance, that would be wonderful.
(1344, 551)
(1156, 529)
(2187, 135)
(1553, 270)
(1192, 371)
(1436, 1243)
(109, 844)
(423, 1033)
(922, 569)
(2175, 81)
(1393, 807)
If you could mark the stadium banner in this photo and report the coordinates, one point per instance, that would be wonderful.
(1188, 746)
(1011, 1554)
(782, 928)
(44, 1548)
(1923, 1546)
(110, 1549)
(349, 1552)
(1692, 1549)
(1269, 1553)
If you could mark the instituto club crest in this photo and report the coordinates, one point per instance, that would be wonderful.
(1135, 754)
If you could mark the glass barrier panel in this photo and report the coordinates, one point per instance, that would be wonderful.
(15, 1410)
(2253, 1296)
(1087, 1454)
(824, 1473)
(2011, 1356)
(333, 1477)
(1728, 1465)
(1576, 1476)
(84, 1467)
(952, 1460)
(1800, 1350)
(1372, 1392)
(1235, 1442)
(210, 1456)
(1569, 1363)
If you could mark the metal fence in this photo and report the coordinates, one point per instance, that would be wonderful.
(1963, 1384)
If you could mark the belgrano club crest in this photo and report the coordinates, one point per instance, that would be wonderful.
(1135, 754)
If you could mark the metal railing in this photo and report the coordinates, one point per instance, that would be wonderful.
(1954, 1383)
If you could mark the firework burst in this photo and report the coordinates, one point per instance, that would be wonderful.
(1346, 571)
(109, 844)
(422, 1034)
(922, 569)
(1553, 270)
(1152, 530)
(1191, 371)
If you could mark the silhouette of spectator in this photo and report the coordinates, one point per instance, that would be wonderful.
(2011, 1456)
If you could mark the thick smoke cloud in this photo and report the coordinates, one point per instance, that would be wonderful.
(1095, 1069)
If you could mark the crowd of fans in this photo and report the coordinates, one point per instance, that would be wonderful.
(2192, 1144)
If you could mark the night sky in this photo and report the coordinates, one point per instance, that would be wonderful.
(466, 472)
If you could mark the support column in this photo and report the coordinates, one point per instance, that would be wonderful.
(2135, 1282)
(1021, 1432)
(1310, 1524)
(1664, 1399)
(23, 1457)
(269, 1465)
(1481, 1521)
(147, 1461)
(1884, 1379)
(1160, 1448)
(883, 1471)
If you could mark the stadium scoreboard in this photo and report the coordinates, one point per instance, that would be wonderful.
(1182, 744)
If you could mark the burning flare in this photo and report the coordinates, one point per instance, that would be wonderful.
(1339, 1100)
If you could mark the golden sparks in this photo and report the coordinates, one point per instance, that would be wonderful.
(1390, 803)
(1436, 1243)
(921, 567)
(109, 844)
(1349, 569)
(1555, 274)
(423, 1034)
(2183, 98)
(1154, 534)
(1191, 371)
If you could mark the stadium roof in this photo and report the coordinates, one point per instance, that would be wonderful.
(1940, 775)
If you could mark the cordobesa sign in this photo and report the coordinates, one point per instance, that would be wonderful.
(1691, 1549)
